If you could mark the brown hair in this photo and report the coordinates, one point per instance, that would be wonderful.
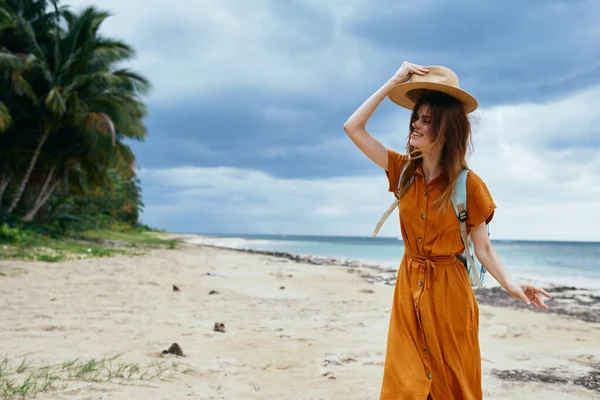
(449, 126)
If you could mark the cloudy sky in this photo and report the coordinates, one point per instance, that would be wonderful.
(249, 99)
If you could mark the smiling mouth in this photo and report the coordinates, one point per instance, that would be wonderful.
(417, 134)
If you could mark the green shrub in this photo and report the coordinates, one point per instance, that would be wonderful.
(12, 235)
(51, 257)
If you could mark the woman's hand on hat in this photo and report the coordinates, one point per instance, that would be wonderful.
(529, 294)
(405, 72)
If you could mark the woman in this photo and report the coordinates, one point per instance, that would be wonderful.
(433, 346)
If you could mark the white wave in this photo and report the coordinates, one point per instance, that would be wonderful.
(229, 242)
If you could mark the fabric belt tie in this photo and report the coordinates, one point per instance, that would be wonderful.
(428, 263)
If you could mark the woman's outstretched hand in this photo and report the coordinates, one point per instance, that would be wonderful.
(405, 72)
(529, 294)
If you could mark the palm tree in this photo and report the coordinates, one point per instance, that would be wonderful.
(72, 80)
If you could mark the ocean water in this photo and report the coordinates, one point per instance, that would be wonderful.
(559, 263)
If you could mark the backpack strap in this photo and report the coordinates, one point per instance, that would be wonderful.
(459, 202)
(394, 204)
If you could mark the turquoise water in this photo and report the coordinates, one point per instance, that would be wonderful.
(568, 263)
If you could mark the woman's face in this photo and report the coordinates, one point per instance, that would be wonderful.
(421, 134)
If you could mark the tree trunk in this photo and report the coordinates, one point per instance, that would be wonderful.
(42, 192)
(32, 163)
(42, 199)
(4, 184)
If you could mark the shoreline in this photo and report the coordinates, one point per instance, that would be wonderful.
(575, 302)
(539, 278)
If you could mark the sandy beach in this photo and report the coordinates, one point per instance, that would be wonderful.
(293, 329)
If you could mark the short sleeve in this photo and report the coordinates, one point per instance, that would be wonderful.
(480, 205)
(396, 162)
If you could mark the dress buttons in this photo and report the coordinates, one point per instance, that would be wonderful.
(420, 283)
(425, 193)
(420, 239)
(425, 351)
(429, 376)
(422, 216)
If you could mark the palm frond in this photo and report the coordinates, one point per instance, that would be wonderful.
(6, 18)
(31, 37)
(22, 88)
(10, 62)
(111, 50)
(83, 28)
(101, 123)
(125, 112)
(123, 80)
(97, 55)
(135, 81)
(5, 118)
(55, 103)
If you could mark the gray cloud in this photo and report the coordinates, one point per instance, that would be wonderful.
(547, 193)
(503, 50)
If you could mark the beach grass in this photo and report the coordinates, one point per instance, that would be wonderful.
(131, 238)
(34, 246)
(25, 378)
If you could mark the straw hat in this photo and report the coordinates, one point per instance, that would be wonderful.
(438, 78)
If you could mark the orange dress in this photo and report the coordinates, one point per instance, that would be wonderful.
(433, 344)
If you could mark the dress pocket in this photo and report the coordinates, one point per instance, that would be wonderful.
(459, 304)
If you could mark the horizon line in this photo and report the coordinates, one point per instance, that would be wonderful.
(378, 237)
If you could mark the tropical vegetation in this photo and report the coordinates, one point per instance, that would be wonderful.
(68, 109)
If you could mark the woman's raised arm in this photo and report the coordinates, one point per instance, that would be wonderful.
(355, 126)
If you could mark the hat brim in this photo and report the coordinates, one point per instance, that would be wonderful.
(407, 94)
